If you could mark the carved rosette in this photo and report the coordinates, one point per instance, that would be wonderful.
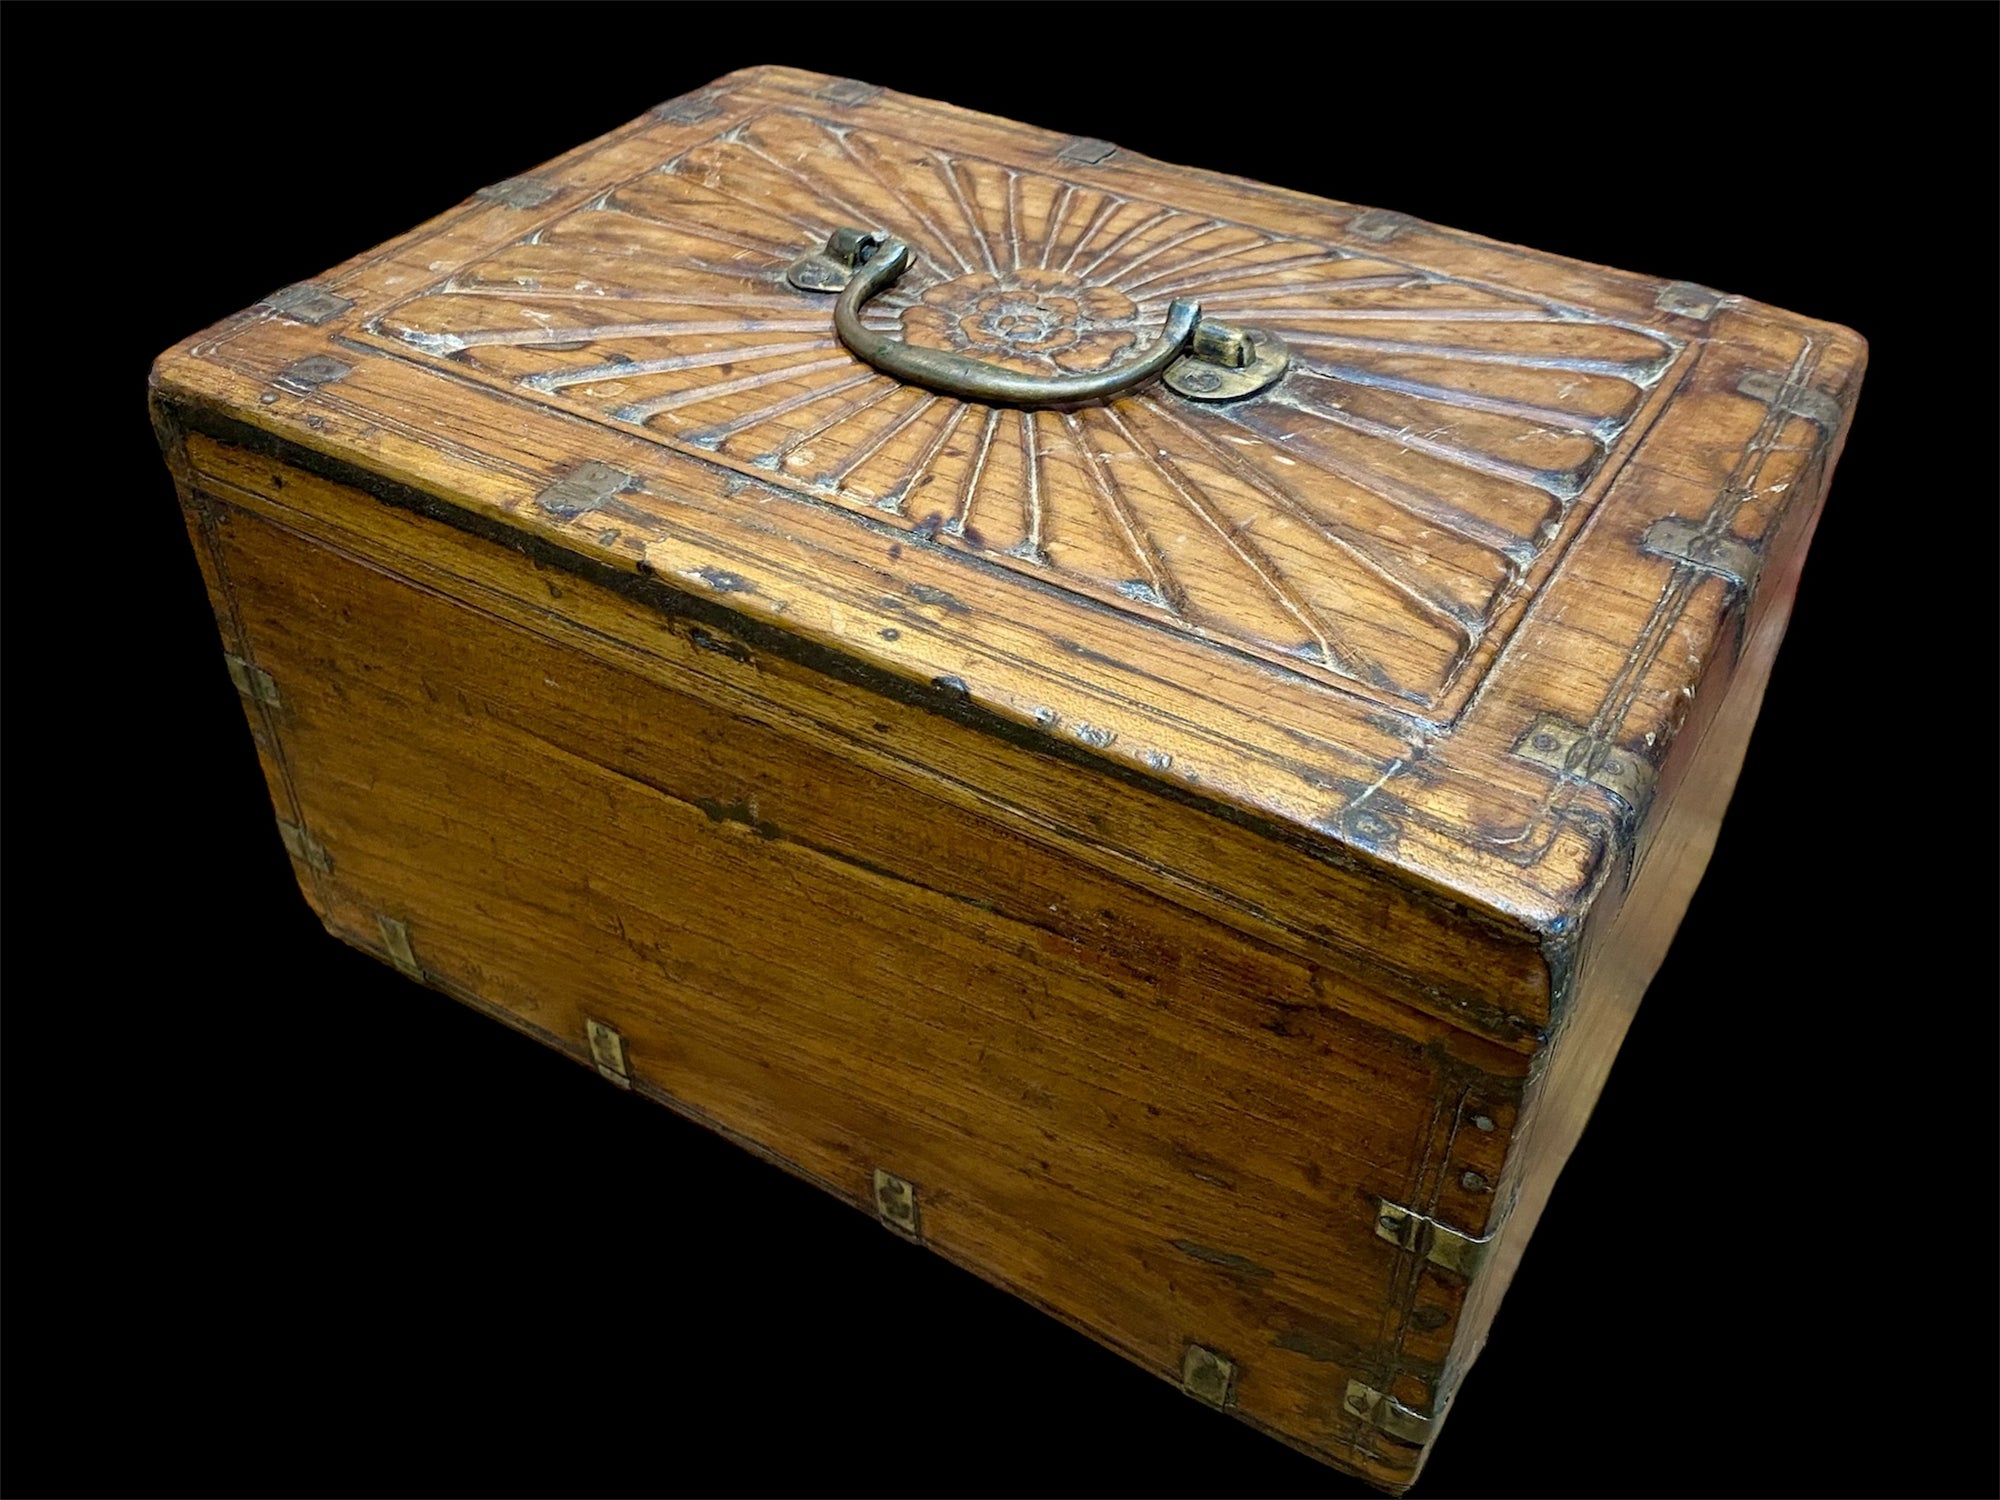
(1035, 321)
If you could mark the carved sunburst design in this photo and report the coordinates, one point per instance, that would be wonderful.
(1367, 521)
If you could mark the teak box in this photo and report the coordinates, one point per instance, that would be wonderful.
(1147, 729)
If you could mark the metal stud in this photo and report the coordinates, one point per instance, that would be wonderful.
(1084, 151)
(896, 1204)
(306, 303)
(517, 192)
(584, 489)
(303, 375)
(303, 847)
(1386, 1412)
(607, 1051)
(689, 109)
(252, 682)
(1379, 225)
(396, 938)
(1208, 1376)
(1688, 300)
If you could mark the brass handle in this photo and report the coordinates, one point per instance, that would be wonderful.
(1202, 359)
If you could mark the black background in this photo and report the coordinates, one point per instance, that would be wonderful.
(279, 1221)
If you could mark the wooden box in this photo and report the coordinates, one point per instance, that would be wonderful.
(1171, 806)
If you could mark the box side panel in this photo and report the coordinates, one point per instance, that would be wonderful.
(1147, 1121)
(1631, 925)
(262, 706)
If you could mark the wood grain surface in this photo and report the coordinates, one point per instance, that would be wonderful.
(1157, 832)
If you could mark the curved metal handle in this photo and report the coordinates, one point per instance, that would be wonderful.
(975, 379)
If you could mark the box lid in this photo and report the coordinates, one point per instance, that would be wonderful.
(1409, 546)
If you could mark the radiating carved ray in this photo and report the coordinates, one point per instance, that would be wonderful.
(921, 465)
(770, 301)
(527, 338)
(1230, 252)
(1530, 339)
(1332, 290)
(1167, 590)
(1464, 458)
(1341, 313)
(1056, 219)
(956, 525)
(1546, 416)
(1031, 549)
(949, 170)
(702, 360)
(709, 437)
(1221, 276)
(1247, 552)
(673, 171)
(843, 414)
(635, 275)
(1562, 454)
(1361, 548)
(1322, 290)
(675, 363)
(1014, 219)
(618, 229)
(822, 193)
(1445, 300)
(1481, 343)
(915, 213)
(774, 247)
(1117, 278)
(657, 218)
(1112, 203)
(770, 250)
(564, 334)
(1180, 283)
(1126, 238)
(1640, 373)
(1420, 505)
(884, 438)
(639, 411)
(816, 189)
(1589, 400)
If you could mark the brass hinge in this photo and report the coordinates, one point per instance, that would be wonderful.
(1387, 1413)
(1774, 390)
(1572, 750)
(1686, 542)
(303, 847)
(252, 682)
(1437, 1243)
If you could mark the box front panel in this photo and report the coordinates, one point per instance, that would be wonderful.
(1159, 1129)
